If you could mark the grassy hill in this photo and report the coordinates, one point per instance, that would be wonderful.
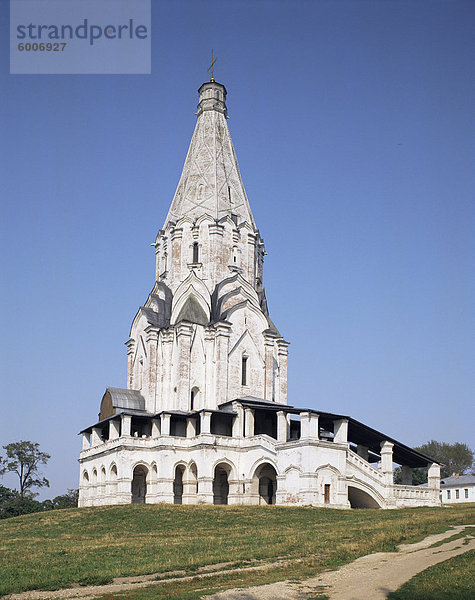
(93, 545)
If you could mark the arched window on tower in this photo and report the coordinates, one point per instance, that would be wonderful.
(235, 255)
(196, 254)
(244, 370)
(194, 398)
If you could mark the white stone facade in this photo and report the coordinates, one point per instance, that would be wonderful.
(457, 489)
(204, 418)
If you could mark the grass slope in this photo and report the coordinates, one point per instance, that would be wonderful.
(453, 579)
(92, 545)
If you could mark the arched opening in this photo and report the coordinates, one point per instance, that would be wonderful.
(194, 398)
(139, 485)
(178, 485)
(361, 499)
(267, 478)
(221, 484)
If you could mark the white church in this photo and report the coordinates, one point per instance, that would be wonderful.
(205, 418)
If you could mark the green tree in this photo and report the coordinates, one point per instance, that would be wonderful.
(453, 458)
(67, 500)
(24, 459)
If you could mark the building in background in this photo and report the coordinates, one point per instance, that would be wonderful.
(205, 418)
(458, 488)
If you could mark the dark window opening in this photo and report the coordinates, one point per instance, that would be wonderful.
(327, 494)
(192, 399)
(195, 252)
(265, 422)
(222, 424)
(140, 427)
(178, 426)
(244, 371)
(294, 430)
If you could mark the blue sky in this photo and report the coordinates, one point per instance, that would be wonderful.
(353, 126)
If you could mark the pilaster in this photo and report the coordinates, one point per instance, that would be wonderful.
(184, 332)
(283, 355)
(269, 368)
(223, 332)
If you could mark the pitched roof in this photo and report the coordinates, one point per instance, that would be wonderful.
(460, 480)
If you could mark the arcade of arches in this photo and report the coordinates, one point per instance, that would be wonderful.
(263, 484)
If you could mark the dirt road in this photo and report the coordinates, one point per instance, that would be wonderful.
(370, 577)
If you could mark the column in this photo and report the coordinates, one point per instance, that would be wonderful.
(126, 424)
(362, 451)
(238, 421)
(155, 428)
(165, 424)
(406, 475)
(248, 422)
(433, 476)
(387, 461)
(86, 440)
(96, 436)
(282, 427)
(340, 431)
(114, 427)
(190, 427)
(309, 425)
(205, 422)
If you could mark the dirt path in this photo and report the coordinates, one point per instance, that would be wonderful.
(370, 577)
(376, 575)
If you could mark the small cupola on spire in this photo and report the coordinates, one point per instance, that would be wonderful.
(212, 96)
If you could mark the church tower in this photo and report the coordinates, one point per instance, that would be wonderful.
(204, 335)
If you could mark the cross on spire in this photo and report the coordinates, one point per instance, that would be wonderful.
(211, 67)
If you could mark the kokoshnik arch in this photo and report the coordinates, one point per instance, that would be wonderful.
(204, 418)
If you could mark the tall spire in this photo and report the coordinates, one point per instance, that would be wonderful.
(210, 182)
